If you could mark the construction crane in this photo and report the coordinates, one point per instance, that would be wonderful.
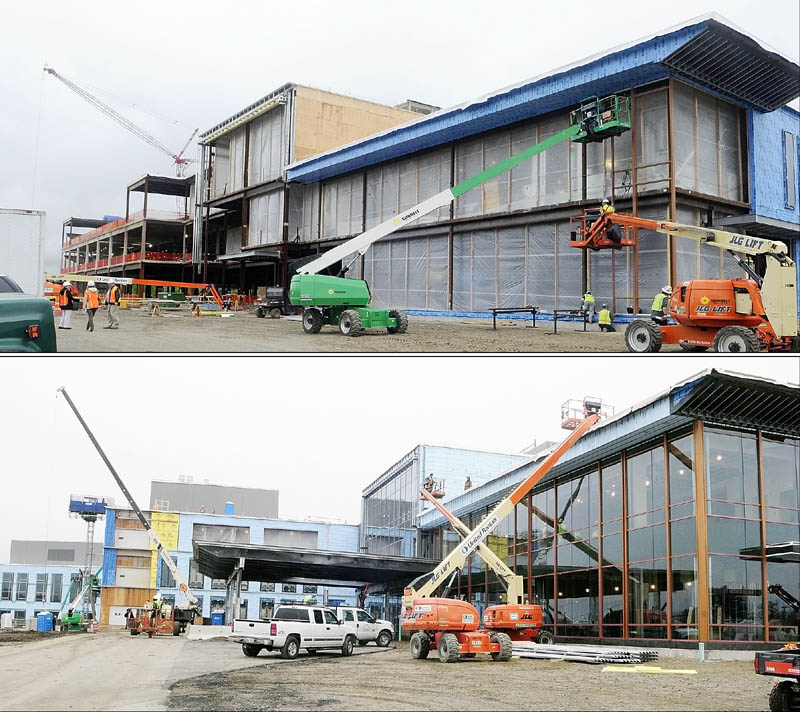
(345, 302)
(726, 315)
(182, 615)
(178, 158)
(449, 624)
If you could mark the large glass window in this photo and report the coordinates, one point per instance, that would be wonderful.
(680, 455)
(22, 587)
(220, 534)
(647, 599)
(7, 586)
(196, 579)
(41, 587)
(578, 601)
(646, 488)
(167, 579)
(781, 467)
(612, 602)
(782, 578)
(684, 597)
(612, 497)
(56, 584)
(736, 598)
(731, 467)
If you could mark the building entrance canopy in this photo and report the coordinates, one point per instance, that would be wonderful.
(290, 565)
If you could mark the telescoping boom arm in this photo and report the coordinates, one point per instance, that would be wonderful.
(456, 559)
(595, 120)
(181, 582)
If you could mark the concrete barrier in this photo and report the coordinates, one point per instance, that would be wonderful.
(206, 632)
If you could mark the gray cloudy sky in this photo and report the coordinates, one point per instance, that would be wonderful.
(319, 439)
(199, 62)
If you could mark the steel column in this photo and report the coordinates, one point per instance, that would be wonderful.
(763, 514)
(673, 207)
(701, 514)
(668, 530)
(625, 583)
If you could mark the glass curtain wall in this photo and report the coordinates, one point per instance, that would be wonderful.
(389, 515)
(613, 552)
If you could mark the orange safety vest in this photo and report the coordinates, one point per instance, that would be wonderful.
(64, 299)
(113, 295)
(92, 299)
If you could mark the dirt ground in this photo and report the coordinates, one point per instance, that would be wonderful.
(111, 670)
(244, 332)
(26, 636)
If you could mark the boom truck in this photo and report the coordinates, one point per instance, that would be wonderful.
(451, 625)
(345, 302)
(180, 616)
(726, 315)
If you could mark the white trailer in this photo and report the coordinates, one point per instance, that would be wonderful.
(22, 248)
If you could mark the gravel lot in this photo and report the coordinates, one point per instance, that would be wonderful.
(113, 670)
(244, 332)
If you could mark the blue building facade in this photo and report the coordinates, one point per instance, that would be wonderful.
(29, 589)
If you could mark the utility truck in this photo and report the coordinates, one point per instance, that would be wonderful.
(451, 625)
(367, 627)
(181, 615)
(725, 315)
(345, 302)
(293, 628)
(22, 248)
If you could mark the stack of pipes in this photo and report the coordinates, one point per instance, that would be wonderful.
(584, 653)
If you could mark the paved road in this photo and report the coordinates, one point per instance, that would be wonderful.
(107, 671)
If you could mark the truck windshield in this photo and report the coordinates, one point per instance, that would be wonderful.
(9, 286)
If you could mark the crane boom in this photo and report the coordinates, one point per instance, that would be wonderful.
(120, 119)
(456, 559)
(179, 580)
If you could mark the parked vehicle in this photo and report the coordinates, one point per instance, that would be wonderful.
(367, 627)
(26, 321)
(276, 304)
(293, 628)
(22, 248)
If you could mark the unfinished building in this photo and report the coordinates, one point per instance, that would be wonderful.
(247, 219)
(712, 143)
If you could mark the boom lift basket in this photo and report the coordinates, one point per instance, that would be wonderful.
(593, 230)
(601, 118)
(574, 412)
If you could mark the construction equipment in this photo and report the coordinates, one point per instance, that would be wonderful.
(726, 315)
(594, 654)
(181, 615)
(336, 300)
(90, 509)
(88, 587)
(178, 158)
(784, 663)
(451, 625)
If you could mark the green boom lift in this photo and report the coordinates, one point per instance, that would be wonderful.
(337, 300)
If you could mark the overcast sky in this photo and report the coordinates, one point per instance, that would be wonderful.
(198, 62)
(319, 438)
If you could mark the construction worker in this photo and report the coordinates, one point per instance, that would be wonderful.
(467, 484)
(67, 303)
(613, 233)
(91, 304)
(112, 302)
(429, 482)
(307, 600)
(156, 609)
(588, 305)
(606, 208)
(604, 319)
(660, 305)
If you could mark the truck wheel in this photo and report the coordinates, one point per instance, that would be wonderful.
(419, 646)
(176, 629)
(545, 638)
(350, 323)
(693, 348)
(383, 639)
(251, 651)
(506, 649)
(402, 322)
(347, 646)
(448, 648)
(260, 313)
(643, 337)
(290, 648)
(784, 697)
(312, 321)
(735, 340)
(274, 313)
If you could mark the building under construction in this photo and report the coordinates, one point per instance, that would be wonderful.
(712, 143)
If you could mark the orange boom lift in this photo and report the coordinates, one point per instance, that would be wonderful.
(451, 625)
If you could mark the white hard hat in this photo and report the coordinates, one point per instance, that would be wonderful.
(605, 200)
(91, 283)
(67, 284)
(667, 290)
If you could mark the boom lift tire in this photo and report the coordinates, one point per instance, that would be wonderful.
(506, 648)
(545, 638)
(290, 648)
(274, 313)
(643, 337)
(383, 639)
(251, 651)
(347, 646)
(735, 340)
(420, 646)
(312, 321)
(785, 697)
(176, 629)
(448, 648)
(350, 323)
(693, 348)
(402, 322)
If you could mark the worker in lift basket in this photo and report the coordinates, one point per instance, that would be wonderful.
(661, 305)
(428, 484)
(604, 319)
(613, 232)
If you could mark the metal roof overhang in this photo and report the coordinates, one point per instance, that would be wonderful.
(734, 64)
(163, 185)
(85, 222)
(761, 226)
(251, 255)
(275, 563)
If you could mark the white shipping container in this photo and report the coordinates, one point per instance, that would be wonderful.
(22, 248)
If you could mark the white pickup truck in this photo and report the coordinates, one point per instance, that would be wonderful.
(295, 628)
(367, 627)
